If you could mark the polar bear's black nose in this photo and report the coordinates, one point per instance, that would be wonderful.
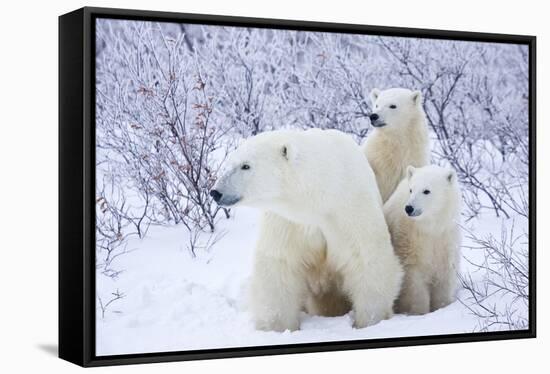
(409, 209)
(374, 117)
(216, 195)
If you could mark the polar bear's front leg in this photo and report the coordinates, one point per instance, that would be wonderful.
(443, 290)
(445, 281)
(442, 295)
(415, 293)
(371, 296)
(278, 291)
(371, 272)
(370, 306)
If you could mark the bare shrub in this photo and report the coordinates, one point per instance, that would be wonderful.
(500, 299)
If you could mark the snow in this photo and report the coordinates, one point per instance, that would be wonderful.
(176, 302)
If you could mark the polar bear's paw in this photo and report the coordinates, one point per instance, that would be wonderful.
(278, 325)
(368, 318)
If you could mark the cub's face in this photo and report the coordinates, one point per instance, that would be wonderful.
(394, 107)
(253, 174)
(431, 189)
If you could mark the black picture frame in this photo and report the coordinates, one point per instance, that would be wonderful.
(77, 189)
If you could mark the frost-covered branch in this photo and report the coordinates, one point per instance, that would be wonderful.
(497, 290)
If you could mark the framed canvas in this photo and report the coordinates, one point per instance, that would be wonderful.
(235, 186)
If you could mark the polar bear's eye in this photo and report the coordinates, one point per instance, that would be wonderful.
(426, 192)
(245, 167)
(393, 106)
(411, 191)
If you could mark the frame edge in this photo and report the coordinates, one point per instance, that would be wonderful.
(71, 314)
(75, 212)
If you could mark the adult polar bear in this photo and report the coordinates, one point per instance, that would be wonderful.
(322, 183)
(400, 137)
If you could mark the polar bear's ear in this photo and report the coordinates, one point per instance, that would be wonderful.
(410, 171)
(451, 175)
(417, 97)
(284, 151)
(374, 95)
(289, 152)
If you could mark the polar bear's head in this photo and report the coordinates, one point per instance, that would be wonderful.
(433, 191)
(255, 173)
(395, 107)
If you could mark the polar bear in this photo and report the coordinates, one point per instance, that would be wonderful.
(422, 216)
(400, 136)
(325, 296)
(321, 182)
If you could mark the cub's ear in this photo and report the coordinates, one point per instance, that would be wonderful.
(374, 95)
(417, 97)
(410, 171)
(285, 151)
(451, 175)
(289, 151)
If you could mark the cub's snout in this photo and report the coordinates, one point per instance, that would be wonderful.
(376, 121)
(412, 211)
(216, 195)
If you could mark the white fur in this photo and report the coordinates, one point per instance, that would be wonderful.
(428, 243)
(323, 231)
(401, 142)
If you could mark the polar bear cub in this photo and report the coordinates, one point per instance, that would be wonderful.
(399, 139)
(423, 216)
(321, 182)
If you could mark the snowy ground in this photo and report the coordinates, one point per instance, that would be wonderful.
(175, 302)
